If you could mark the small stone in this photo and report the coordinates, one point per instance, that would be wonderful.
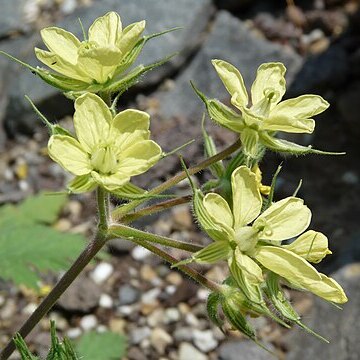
(350, 178)
(202, 294)
(88, 322)
(101, 329)
(102, 272)
(183, 334)
(135, 353)
(83, 295)
(170, 289)
(150, 296)
(29, 308)
(106, 301)
(63, 225)
(174, 278)
(191, 320)
(139, 253)
(187, 351)
(160, 339)
(147, 273)
(73, 333)
(8, 310)
(126, 310)
(128, 295)
(248, 350)
(155, 318)
(204, 340)
(171, 315)
(137, 335)
(117, 325)
(181, 218)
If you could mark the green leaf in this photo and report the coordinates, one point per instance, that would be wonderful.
(104, 346)
(28, 245)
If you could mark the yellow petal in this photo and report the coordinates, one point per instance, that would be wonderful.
(330, 290)
(139, 157)
(131, 120)
(62, 43)
(219, 212)
(312, 246)
(55, 62)
(250, 268)
(100, 63)
(246, 196)
(288, 265)
(92, 120)
(284, 219)
(68, 152)
(130, 36)
(106, 30)
(233, 81)
(269, 82)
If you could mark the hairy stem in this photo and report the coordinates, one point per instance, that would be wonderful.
(129, 233)
(199, 278)
(68, 278)
(123, 210)
(153, 209)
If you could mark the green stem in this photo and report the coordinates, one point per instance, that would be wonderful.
(153, 209)
(129, 233)
(202, 280)
(68, 278)
(103, 207)
(123, 210)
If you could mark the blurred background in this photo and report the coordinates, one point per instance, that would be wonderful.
(128, 291)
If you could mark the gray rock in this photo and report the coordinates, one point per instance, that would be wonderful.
(12, 16)
(245, 349)
(187, 351)
(139, 334)
(82, 296)
(128, 295)
(160, 16)
(349, 107)
(341, 328)
(334, 65)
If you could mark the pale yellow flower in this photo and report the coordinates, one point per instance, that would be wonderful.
(263, 114)
(96, 59)
(107, 150)
(250, 240)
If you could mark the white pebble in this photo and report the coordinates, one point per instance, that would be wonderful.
(106, 301)
(150, 296)
(73, 333)
(139, 253)
(102, 272)
(29, 308)
(204, 340)
(170, 289)
(88, 322)
(171, 315)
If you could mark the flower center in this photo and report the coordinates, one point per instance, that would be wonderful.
(262, 108)
(246, 238)
(103, 160)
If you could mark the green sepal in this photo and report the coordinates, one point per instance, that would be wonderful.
(280, 145)
(133, 54)
(267, 203)
(23, 349)
(203, 218)
(212, 307)
(217, 169)
(133, 192)
(221, 113)
(81, 184)
(276, 295)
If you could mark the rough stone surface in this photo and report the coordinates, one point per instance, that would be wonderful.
(82, 296)
(12, 16)
(341, 328)
(247, 349)
(187, 351)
